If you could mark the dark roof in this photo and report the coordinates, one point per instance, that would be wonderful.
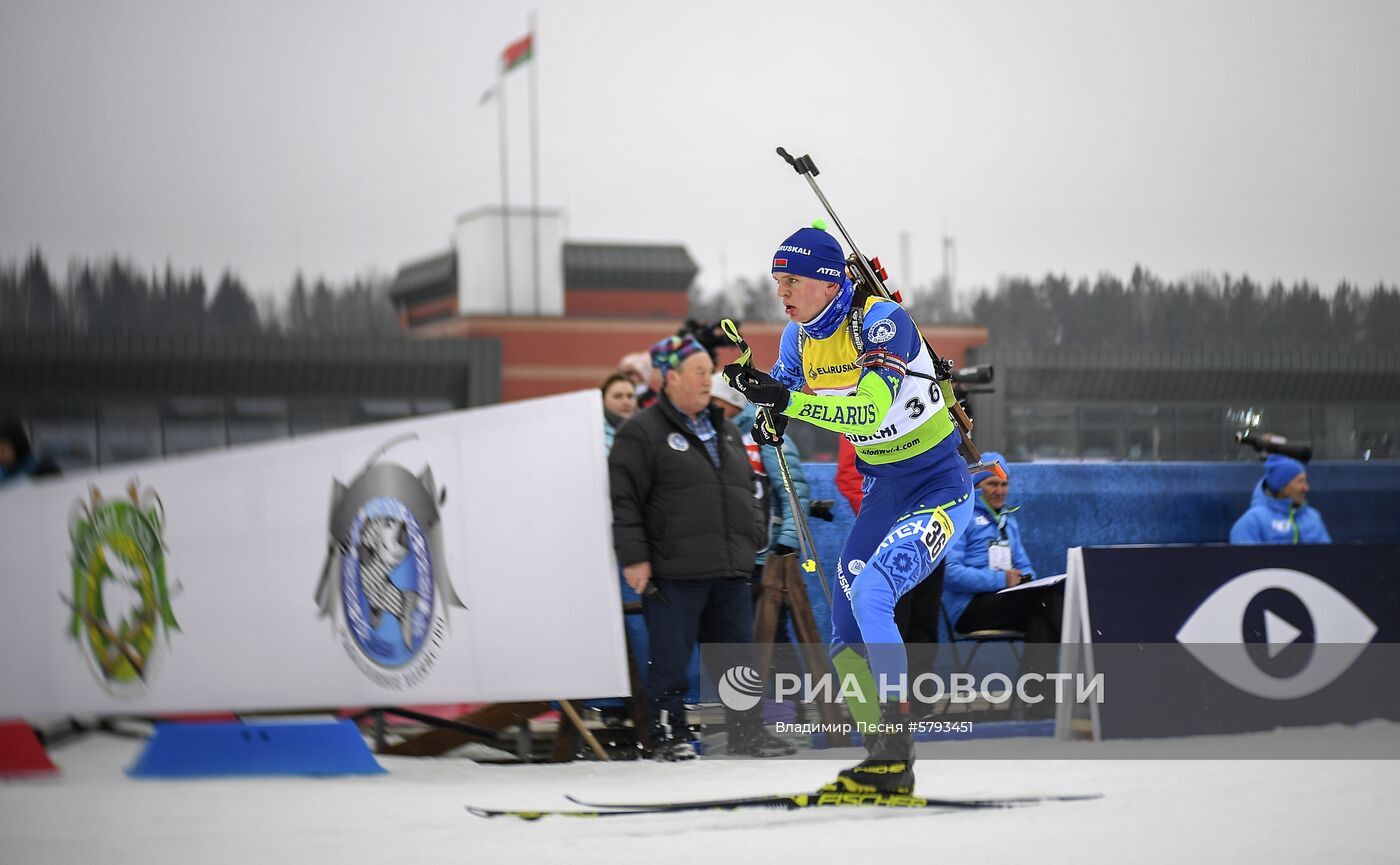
(426, 278)
(635, 266)
(63, 367)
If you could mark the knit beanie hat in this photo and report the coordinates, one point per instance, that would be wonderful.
(1279, 470)
(670, 352)
(638, 362)
(813, 253)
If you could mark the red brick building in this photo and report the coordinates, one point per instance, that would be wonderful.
(618, 298)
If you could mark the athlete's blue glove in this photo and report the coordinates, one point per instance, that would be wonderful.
(758, 387)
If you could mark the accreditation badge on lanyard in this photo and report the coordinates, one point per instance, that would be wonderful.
(999, 551)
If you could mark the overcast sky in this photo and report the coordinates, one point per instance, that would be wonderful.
(1075, 137)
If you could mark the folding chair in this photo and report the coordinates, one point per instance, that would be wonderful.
(987, 635)
(978, 638)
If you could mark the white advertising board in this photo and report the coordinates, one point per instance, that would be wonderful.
(451, 558)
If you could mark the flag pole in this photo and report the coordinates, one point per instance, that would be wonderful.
(505, 172)
(534, 163)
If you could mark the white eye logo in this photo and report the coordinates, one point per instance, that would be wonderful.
(1277, 633)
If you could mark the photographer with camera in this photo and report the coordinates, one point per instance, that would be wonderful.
(1279, 512)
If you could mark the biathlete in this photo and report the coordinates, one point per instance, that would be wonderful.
(856, 364)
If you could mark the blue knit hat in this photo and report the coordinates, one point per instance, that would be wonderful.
(989, 457)
(672, 351)
(813, 253)
(1279, 470)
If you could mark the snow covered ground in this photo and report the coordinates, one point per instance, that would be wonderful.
(1158, 810)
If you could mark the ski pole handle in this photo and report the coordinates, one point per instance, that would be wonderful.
(731, 330)
(745, 358)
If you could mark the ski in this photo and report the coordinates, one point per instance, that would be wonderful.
(833, 798)
(536, 815)
(788, 802)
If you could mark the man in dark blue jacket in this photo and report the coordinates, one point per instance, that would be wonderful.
(1279, 512)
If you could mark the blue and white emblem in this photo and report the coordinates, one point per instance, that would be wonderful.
(678, 442)
(882, 331)
(385, 571)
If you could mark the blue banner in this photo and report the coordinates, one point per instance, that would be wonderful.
(1220, 639)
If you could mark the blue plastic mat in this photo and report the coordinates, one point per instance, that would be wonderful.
(203, 750)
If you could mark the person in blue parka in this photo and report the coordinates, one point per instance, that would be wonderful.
(987, 561)
(1278, 511)
(989, 557)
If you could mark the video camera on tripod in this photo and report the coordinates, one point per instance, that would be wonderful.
(1270, 443)
(1264, 442)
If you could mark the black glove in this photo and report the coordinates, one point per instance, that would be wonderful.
(821, 509)
(763, 435)
(759, 387)
(783, 549)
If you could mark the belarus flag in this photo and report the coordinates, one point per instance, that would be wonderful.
(517, 52)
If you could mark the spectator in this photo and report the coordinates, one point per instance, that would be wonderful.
(686, 527)
(619, 404)
(637, 367)
(1279, 512)
(988, 558)
(17, 458)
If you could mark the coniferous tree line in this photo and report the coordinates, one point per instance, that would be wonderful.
(112, 296)
(1201, 312)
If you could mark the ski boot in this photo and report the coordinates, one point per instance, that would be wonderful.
(749, 738)
(673, 750)
(889, 768)
(670, 739)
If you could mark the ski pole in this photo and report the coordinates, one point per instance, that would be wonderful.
(869, 272)
(804, 531)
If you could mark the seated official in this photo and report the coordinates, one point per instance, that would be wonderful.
(989, 557)
(1279, 512)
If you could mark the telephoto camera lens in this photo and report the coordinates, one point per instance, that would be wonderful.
(973, 375)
